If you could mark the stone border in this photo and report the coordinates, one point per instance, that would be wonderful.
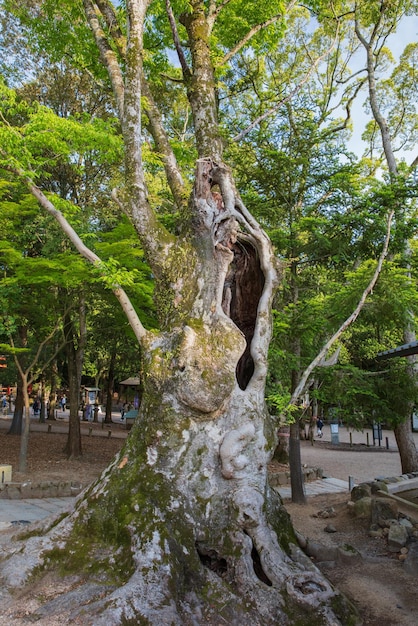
(281, 479)
(45, 489)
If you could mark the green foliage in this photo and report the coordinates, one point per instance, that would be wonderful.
(33, 136)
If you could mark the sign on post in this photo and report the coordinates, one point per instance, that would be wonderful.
(335, 437)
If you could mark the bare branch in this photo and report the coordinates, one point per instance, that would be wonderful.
(251, 33)
(321, 355)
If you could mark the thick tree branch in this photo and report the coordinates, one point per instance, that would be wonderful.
(176, 39)
(380, 120)
(155, 125)
(107, 55)
(107, 10)
(89, 255)
(158, 133)
(214, 11)
(154, 237)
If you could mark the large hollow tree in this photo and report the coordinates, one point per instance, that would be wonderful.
(184, 520)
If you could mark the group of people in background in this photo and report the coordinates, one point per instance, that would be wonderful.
(61, 404)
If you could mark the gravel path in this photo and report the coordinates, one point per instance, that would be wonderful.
(362, 464)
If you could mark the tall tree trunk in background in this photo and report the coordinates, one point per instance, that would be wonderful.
(24, 441)
(75, 346)
(44, 400)
(53, 382)
(17, 420)
(110, 382)
(295, 461)
(403, 432)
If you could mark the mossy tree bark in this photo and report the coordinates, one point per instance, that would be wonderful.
(183, 527)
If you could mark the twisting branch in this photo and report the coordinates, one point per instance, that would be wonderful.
(317, 360)
(25, 373)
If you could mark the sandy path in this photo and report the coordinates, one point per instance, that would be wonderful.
(361, 465)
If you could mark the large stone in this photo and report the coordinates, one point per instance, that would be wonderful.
(379, 485)
(320, 552)
(347, 554)
(411, 562)
(361, 491)
(362, 509)
(383, 511)
(397, 537)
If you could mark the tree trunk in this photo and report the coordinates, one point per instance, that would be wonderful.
(110, 387)
(183, 527)
(43, 399)
(24, 441)
(403, 433)
(75, 357)
(281, 453)
(406, 447)
(73, 448)
(52, 400)
(295, 463)
(17, 421)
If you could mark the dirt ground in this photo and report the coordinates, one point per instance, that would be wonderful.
(46, 460)
(384, 594)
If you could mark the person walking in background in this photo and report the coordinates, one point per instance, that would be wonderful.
(64, 402)
(319, 426)
(4, 405)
